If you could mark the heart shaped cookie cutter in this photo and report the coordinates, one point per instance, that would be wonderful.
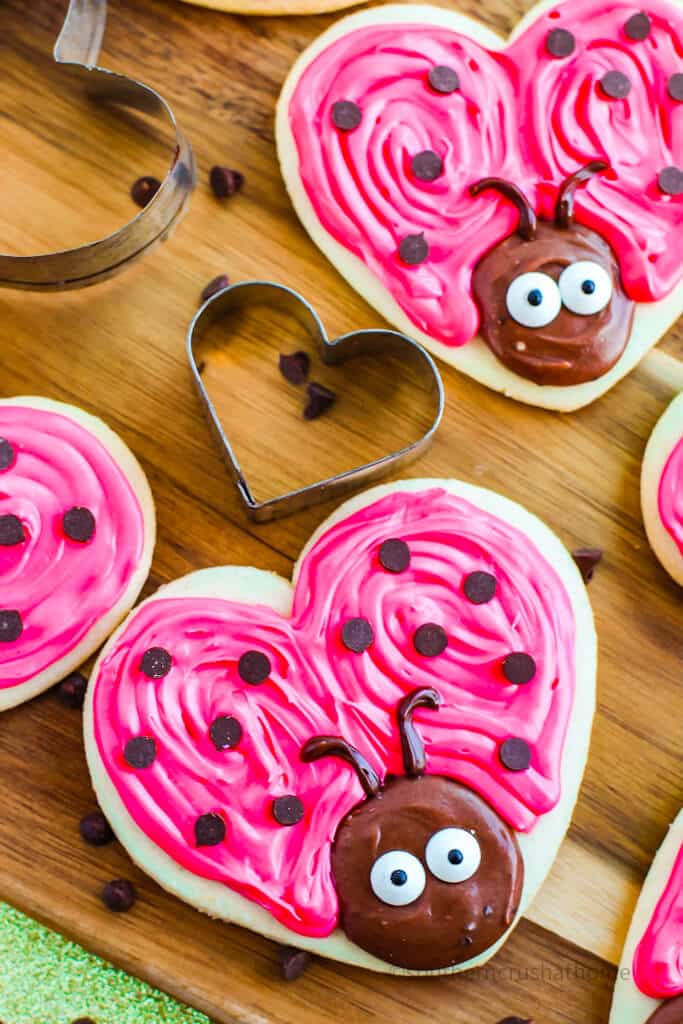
(267, 293)
(76, 51)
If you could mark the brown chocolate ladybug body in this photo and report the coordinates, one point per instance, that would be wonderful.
(670, 1012)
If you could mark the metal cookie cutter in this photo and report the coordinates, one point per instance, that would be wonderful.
(266, 293)
(76, 50)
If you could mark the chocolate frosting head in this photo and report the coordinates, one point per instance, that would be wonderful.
(670, 1012)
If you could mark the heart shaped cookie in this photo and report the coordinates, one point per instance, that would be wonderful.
(513, 206)
(398, 737)
(661, 489)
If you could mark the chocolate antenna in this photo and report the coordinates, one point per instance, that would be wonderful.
(414, 760)
(527, 217)
(564, 207)
(335, 746)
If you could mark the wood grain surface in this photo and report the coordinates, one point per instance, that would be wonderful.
(118, 350)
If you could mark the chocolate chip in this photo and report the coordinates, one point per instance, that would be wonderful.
(293, 962)
(209, 830)
(225, 182)
(11, 531)
(254, 667)
(346, 115)
(83, 1020)
(11, 626)
(560, 43)
(638, 27)
(427, 165)
(516, 1020)
(225, 732)
(320, 399)
(215, 285)
(616, 85)
(95, 829)
(430, 640)
(294, 368)
(675, 87)
(144, 190)
(515, 754)
(670, 181)
(394, 555)
(156, 663)
(119, 895)
(6, 454)
(519, 668)
(71, 691)
(480, 587)
(140, 752)
(587, 559)
(79, 524)
(288, 810)
(443, 79)
(357, 635)
(413, 249)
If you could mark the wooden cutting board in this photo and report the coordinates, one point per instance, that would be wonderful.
(118, 350)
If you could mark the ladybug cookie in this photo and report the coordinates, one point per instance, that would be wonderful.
(661, 489)
(514, 206)
(377, 762)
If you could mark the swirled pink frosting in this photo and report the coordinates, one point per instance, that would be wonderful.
(670, 495)
(658, 960)
(519, 114)
(317, 686)
(61, 588)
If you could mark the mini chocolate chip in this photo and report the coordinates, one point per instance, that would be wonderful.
(670, 181)
(225, 732)
(675, 87)
(515, 754)
(119, 895)
(394, 555)
(11, 626)
(95, 829)
(294, 367)
(79, 524)
(346, 115)
(288, 810)
(357, 635)
(616, 85)
(443, 79)
(11, 531)
(516, 1020)
(144, 190)
(638, 27)
(320, 399)
(225, 182)
(140, 752)
(254, 667)
(560, 43)
(83, 1020)
(519, 668)
(293, 962)
(209, 830)
(215, 285)
(480, 587)
(156, 663)
(6, 454)
(71, 691)
(587, 559)
(427, 165)
(430, 639)
(413, 249)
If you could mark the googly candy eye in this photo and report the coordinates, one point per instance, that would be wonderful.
(585, 287)
(533, 299)
(453, 854)
(397, 878)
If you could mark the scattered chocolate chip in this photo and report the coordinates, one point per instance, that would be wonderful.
(519, 668)
(427, 165)
(254, 667)
(294, 367)
(6, 454)
(71, 691)
(346, 115)
(413, 249)
(560, 43)
(675, 87)
(11, 626)
(293, 962)
(95, 829)
(443, 79)
(430, 639)
(209, 830)
(638, 27)
(587, 559)
(215, 285)
(225, 732)
(119, 895)
(144, 190)
(140, 752)
(394, 555)
(79, 524)
(11, 531)
(156, 663)
(515, 754)
(357, 635)
(616, 85)
(288, 810)
(320, 399)
(516, 1020)
(670, 181)
(225, 182)
(83, 1020)
(480, 587)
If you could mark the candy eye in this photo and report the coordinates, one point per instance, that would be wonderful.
(453, 854)
(533, 299)
(585, 287)
(397, 878)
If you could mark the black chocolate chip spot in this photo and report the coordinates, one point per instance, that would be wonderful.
(430, 639)
(6, 454)
(413, 249)
(293, 962)
(670, 181)
(638, 27)
(519, 668)
(156, 663)
(79, 524)
(11, 626)
(71, 691)
(394, 555)
(225, 732)
(480, 587)
(357, 635)
(11, 531)
(144, 190)
(427, 165)
(95, 829)
(444, 79)
(675, 87)
(254, 667)
(288, 810)
(346, 115)
(560, 43)
(616, 85)
(140, 752)
(515, 754)
(209, 830)
(119, 895)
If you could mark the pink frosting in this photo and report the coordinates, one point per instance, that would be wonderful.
(519, 114)
(59, 587)
(658, 960)
(316, 686)
(671, 495)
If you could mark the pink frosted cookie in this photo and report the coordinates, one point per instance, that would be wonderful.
(661, 488)
(76, 538)
(397, 737)
(513, 205)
